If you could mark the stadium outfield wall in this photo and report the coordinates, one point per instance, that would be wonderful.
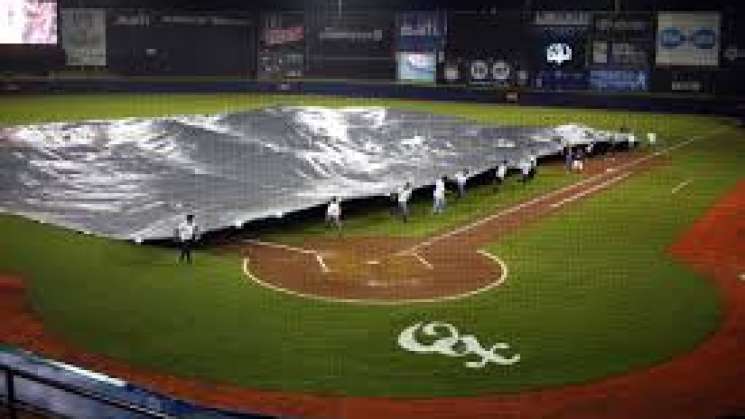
(665, 103)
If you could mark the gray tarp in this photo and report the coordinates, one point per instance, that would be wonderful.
(135, 178)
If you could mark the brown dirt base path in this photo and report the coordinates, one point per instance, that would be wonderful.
(446, 266)
(705, 383)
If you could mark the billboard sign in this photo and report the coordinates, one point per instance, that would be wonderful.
(561, 80)
(84, 36)
(282, 36)
(417, 67)
(619, 80)
(623, 26)
(490, 71)
(479, 72)
(562, 18)
(421, 31)
(688, 39)
(560, 39)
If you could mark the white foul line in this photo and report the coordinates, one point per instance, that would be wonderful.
(681, 186)
(501, 280)
(281, 246)
(424, 261)
(590, 190)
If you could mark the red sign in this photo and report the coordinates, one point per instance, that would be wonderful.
(280, 36)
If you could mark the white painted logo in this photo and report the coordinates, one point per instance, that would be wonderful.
(450, 343)
(558, 53)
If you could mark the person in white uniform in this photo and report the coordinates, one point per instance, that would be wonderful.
(460, 179)
(333, 214)
(439, 196)
(533, 164)
(633, 143)
(187, 234)
(526, 167)
(500, 174)
(652, 139)
(404, 194)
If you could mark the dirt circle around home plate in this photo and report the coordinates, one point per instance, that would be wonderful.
(374, 270)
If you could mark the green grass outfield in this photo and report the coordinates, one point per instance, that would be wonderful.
(591, 290)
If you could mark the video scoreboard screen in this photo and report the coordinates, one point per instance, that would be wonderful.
(28, 22)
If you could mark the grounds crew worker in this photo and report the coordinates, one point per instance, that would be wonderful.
(460, 180)
(187, 233)
(403, 201)
(333, 214)
(439, 196)
(500, 174)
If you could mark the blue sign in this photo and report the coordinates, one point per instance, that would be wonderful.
(561, 80)
(703, 38)
(619, 80)
(671, 38)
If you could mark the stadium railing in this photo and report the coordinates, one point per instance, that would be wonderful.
(15, 406)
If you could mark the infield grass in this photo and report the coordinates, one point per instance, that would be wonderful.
(592, 291)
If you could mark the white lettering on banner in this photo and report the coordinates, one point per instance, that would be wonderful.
(279, 36)
(375, 35)
(423, 27)
(568, 18)
(206, 20)
(450, 343)
(132, 20)
(608, 24)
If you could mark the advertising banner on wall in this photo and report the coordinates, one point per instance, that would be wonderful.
(281, 51)
(84, 36)
(145, 42)
(559, 47)
(560, 40)
(561, 80)
(623, 26)
(619, 80)
(354, 45)
(490, 71)
(417, 66)
(688, 39)
(421, 31)
(622, 40)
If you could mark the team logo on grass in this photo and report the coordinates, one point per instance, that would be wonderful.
(447, 341)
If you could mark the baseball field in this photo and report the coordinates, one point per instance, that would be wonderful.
(561, 298)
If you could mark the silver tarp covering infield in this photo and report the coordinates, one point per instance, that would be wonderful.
(135, 178)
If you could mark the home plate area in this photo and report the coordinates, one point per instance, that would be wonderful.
(372, 269)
